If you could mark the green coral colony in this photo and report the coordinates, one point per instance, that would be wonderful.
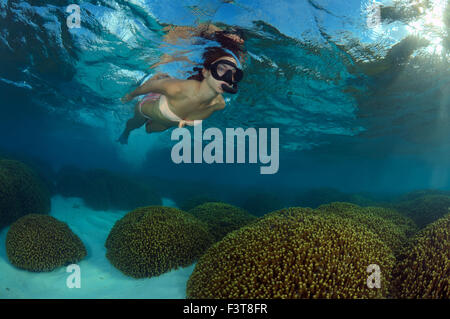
(150, 241)
(21, 192)
(222, 218)
(294, 252)
(42, 243)
(423, 271)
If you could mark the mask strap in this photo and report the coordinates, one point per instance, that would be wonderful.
(234, 56)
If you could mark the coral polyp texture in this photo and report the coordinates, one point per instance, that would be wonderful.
(425, 209)
(389, 226)
(21, 192)
(405, 224)
(42, 243)
(150, 241)
(423, 192)
(194, 201)
(293, 253)
(424, 269)
(222, 218)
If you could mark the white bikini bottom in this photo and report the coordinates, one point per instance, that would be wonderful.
(163, 108)
(166, 111)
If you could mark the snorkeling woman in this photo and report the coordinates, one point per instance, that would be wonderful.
(172, 102)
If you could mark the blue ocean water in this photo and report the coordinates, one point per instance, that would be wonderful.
(361, 105)
(358, 108)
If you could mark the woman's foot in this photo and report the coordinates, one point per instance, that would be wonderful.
(148, 129)
(123, 139)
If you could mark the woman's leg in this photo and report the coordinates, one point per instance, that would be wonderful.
(152, 126)
(158, 122)
(135, 122)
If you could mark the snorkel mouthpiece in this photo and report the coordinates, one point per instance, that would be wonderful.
(228, 89)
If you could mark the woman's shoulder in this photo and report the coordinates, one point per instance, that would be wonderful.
(219, 99)
(187, 87)
(218, 102)
(180, 89)
(175, 86)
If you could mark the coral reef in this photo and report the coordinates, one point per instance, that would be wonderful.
(293, 253)
(390, 233)
(21, 192)
(222, 218)
(424, 268)
(406, 224)
(194, 201)
(361, 200)
(422, 192)
(41, 168)
(425, 209)
(104, 190)
(150, 241)
(42, 243)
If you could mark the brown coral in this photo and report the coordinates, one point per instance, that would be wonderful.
(293, 253)
(21, 192)
(42, 243)
(222, 218)
(150, 241)
(378, 221)
(424, 269)
(425, 209)
(406, 224)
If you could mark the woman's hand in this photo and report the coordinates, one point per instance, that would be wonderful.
(182, 123)
(126, 98)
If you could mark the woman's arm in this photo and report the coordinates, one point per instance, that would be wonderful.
(166, 58)
(201, 115)
(175, 32)
(166, 86)
(183, 32)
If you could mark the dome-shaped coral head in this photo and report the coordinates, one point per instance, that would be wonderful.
(293, 253)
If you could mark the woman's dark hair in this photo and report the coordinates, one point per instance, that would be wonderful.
(222, 37)
(226, 42)
(210, 55)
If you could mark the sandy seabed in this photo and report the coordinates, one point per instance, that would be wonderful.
(99, 279)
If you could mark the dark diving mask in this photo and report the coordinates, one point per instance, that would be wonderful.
(228, 72)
